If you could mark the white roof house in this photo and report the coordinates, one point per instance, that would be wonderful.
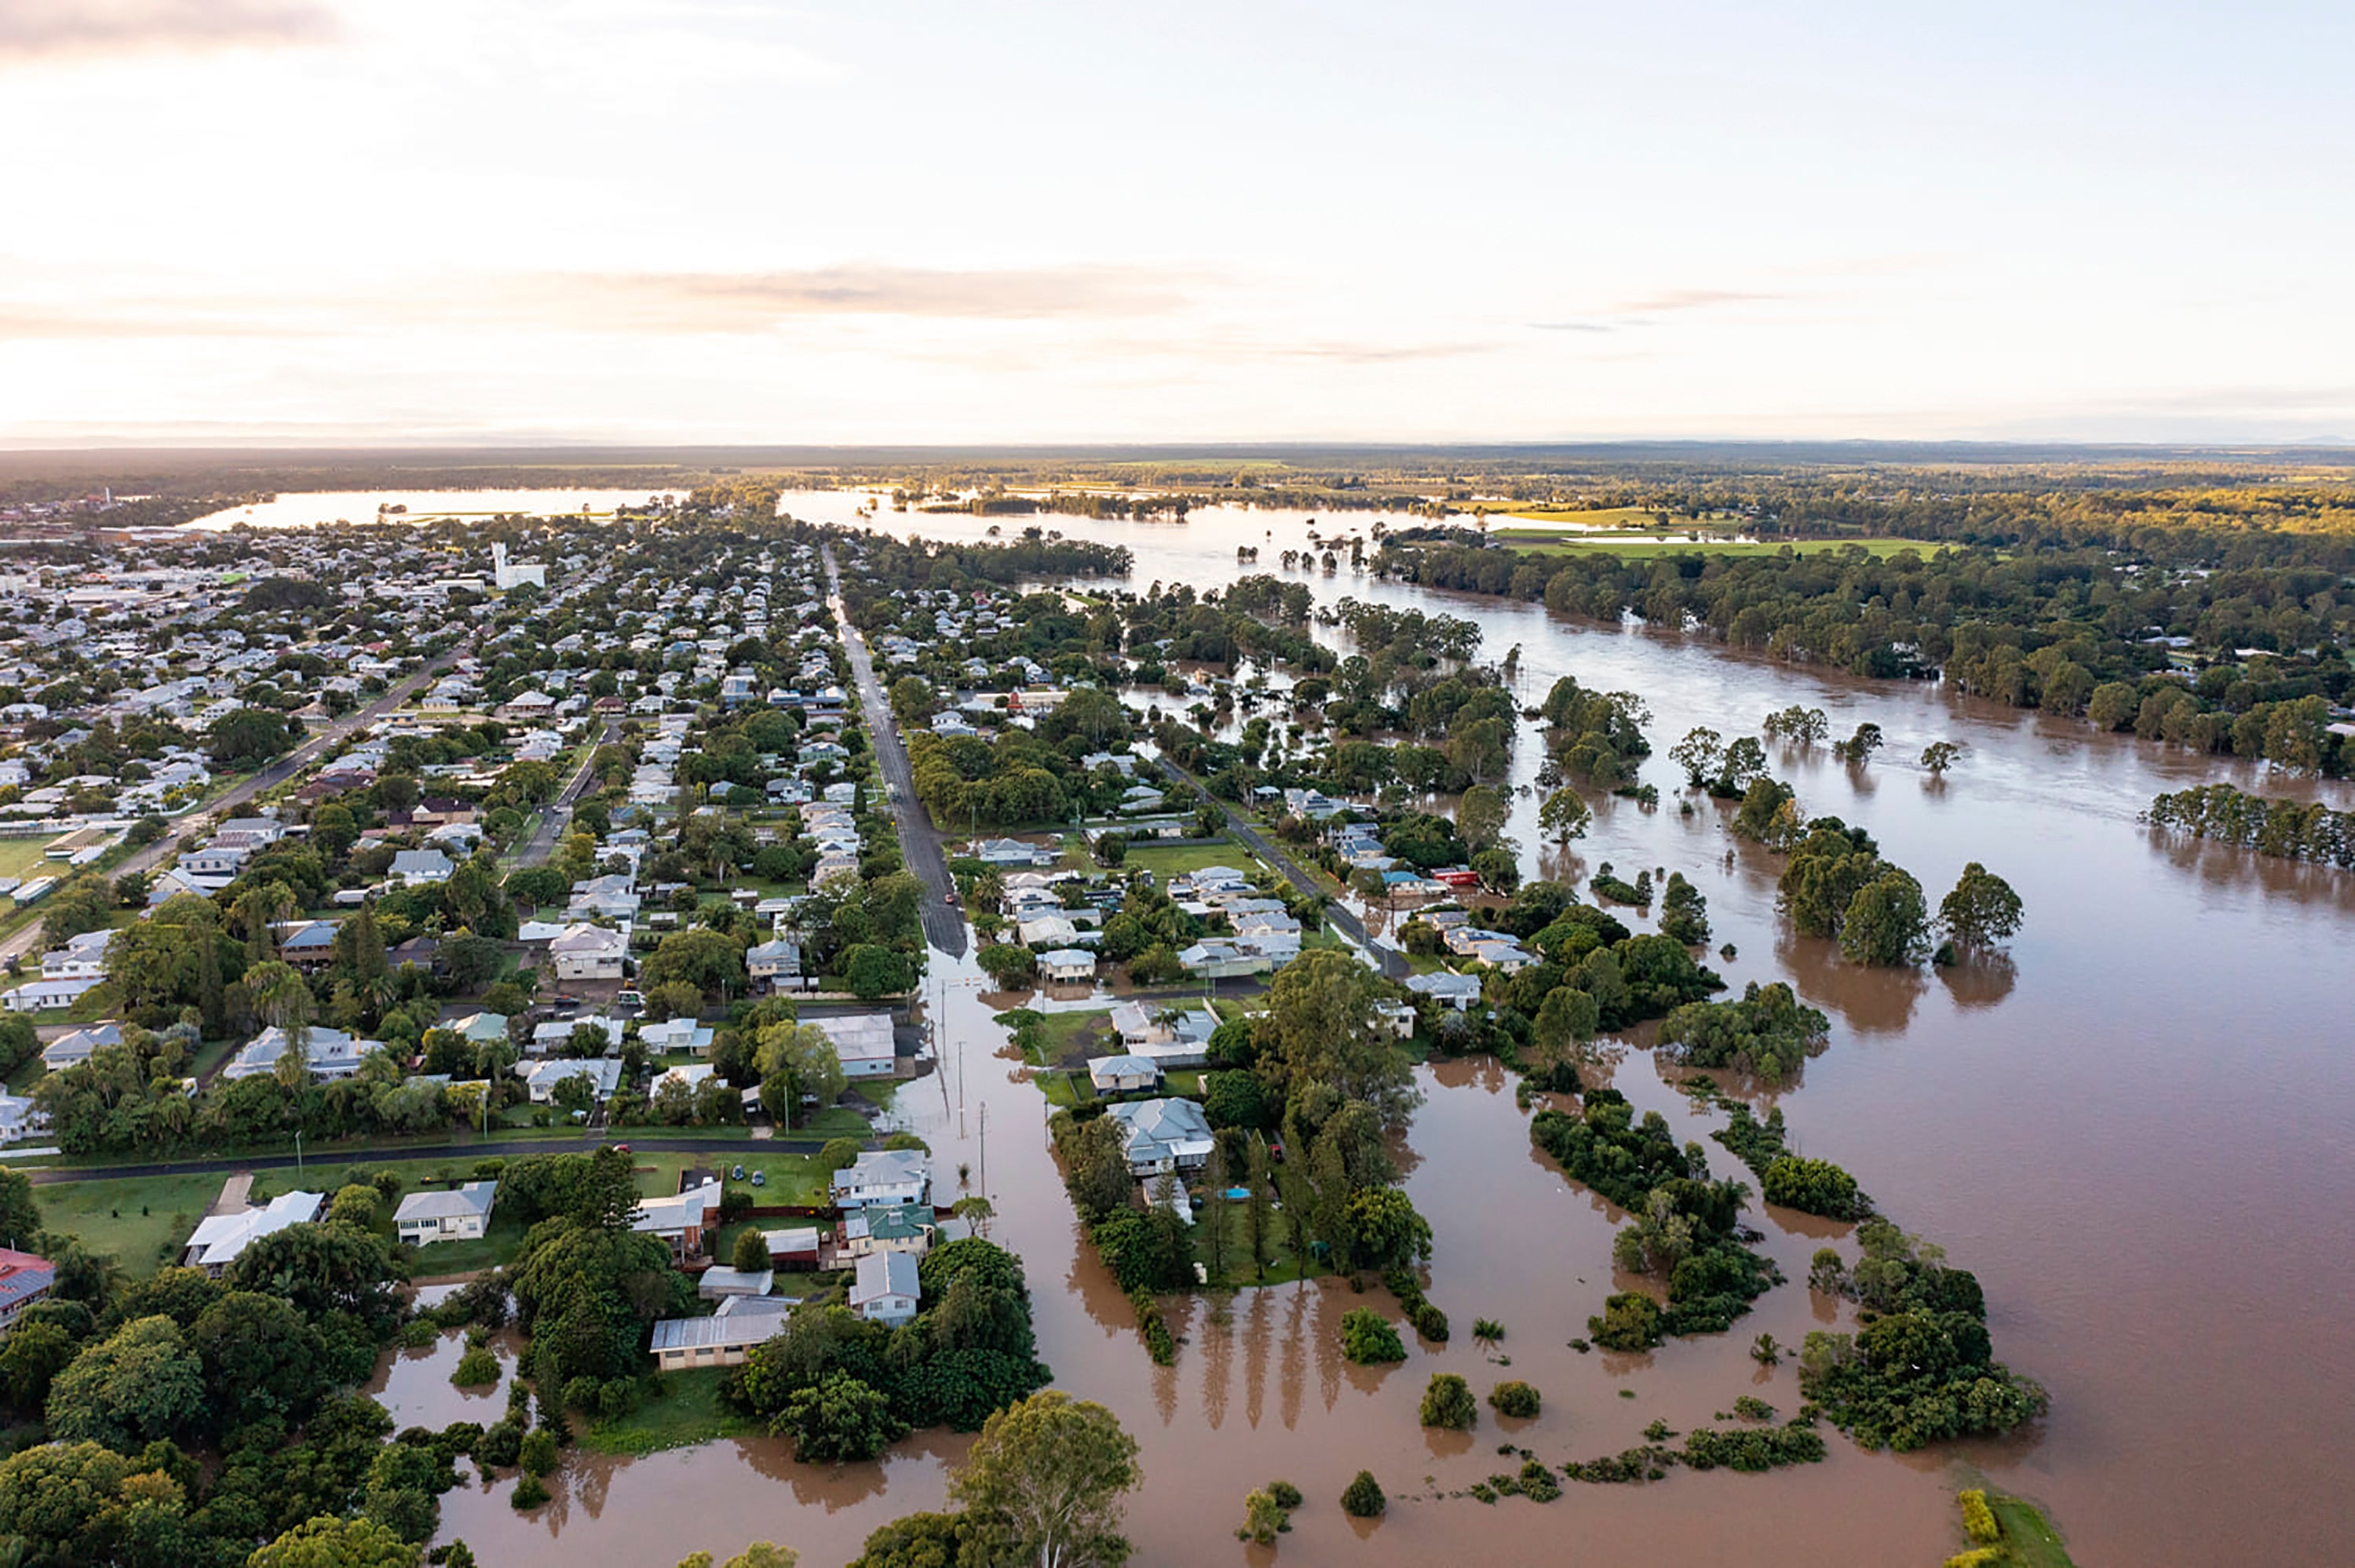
(219, 1238)
(1121, 1074)
(677, 1034)
(73, 1050)
(884, 1176)
(589, 952)
(462, 1213)
(1067, 964)
(1175, 1037)
(329, 1052)
(1163, 1135)
(722, 1340)
(542, 1076)
(40, 995)
(421, 868)
(1458, 992)
(884, 1288)
(863, 1043)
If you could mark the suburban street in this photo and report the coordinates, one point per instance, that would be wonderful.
(331, 1158)
(1391, 963)
(320, 742)
(557, 817)
(920, 845)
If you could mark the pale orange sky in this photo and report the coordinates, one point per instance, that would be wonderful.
(601, 219)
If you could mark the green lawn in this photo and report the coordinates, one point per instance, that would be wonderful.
(1168, 861)
(792, 1178)
(1283, 1267)
(24, 859)
(1059, 1035)
(140, 1221)
(2026, 1536)
(685, 1411)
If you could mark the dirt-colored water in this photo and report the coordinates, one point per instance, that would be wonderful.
(2134, 1133)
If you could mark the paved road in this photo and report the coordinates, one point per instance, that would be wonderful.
(335, 1160)
(1391, 963)
(322, 741)
(921, 846)
(557, 819)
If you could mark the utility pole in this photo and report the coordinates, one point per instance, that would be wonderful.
(984, 1151)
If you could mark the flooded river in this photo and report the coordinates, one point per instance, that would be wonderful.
(2133, 1134)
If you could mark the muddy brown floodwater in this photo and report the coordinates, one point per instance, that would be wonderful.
(2134, 1133)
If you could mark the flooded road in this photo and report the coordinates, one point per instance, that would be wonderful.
(2134, 1133)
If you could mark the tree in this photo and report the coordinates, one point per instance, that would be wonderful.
(1448, 1403)
(839, 1419)
(872, 971)
(20, 1215)
(1363, 1498)
(1384, 1230)
(1981, 911)
(1941, 755)
(329, 1541)
(140, 1383)
(1056, 1470)
(1858, 747)
(805, 1057)
(248, 735)
(1887, 920)
(1701, 754)
(1009, 964)
(1368, 1338)
(1480, 816)
(711, 961)
(751, 1254)
(1564, 816)
(1259, 1216)
(1321, 1011)
(1263, 1518)
(760, 1554)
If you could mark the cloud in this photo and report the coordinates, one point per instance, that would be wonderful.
(32, 28)
(1644, 309)
(655, 303)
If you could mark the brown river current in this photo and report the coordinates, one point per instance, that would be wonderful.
(2134, 1134)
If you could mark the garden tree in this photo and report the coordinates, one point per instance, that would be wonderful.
(329, 1541)
(1384, 1232)
(837, 1420)
(839, 1153)
(1218, 1217)
(805, 1055)
(1887, 922)
(1259, 1216)
(473, 961)
(1320, 1011)
(929, 1540)
(20, 1214)
(1858, 747)
(575, 1094)
(1566, 1017)
(141, 1383)
(1564, 816)
(1767, 1034)
(249, 736)
(1055, 1470)
(1009, 964)
(711, 961)
(68, 1504)
(325, 1268)
(83, 904)
(1981, 911)
(30, 1359)
(1480, 816)
(1263, 1518)
(751, 1254)
(1941, 755)
(1684, 912)
(18, 1041)
(872, 971)
(539, 886)
(282, 997)
(912, 699)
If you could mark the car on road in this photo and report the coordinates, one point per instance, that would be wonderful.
(950, 899)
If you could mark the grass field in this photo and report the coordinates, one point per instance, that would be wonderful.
(24, 860)
(1542, 542)
(2026, 1536)
(140, 1221)
(1178, 859)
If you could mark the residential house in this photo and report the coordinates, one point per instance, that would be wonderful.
(461, 1214)
(682, 1218)
(1215, 960)
(82, 958)
(884, 1288)
(1065, 966)
(73, 1050)
(882, 1176)
(1014, 851)
(41, 995)
(1397, 1017)
(540, 1078)
(421, 868)
(1124, 1074)
(719, 1284)
(219, 1238)
(25, 1278)
(326, 1053)
(776, 962)
(1160, 1136)
(862, 1043)
(888, 1227)
(722, 1340)
(20, 1117)
(1459, 991)
(1171, 1036)
(589, 953)
(677, 1034)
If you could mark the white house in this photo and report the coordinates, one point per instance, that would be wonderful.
(677, 1034)
(1461, 992)
(542, 1076)
(681, 1218)
(1123, 1074)
(327, 1052)
(862, 1042)
(219, 1238)
(722, 1340)
(589, 953)
(886, 1176)
(1163, 1135)
(73, 1050)
(82, 958)
(421, 868)
(41, 995)
(1068, 965)
(20, 1117)
(1173, 1037)
(463, 1214)
(1224, 960)
(884, 1288)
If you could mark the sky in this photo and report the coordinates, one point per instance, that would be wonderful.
(682, 221)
